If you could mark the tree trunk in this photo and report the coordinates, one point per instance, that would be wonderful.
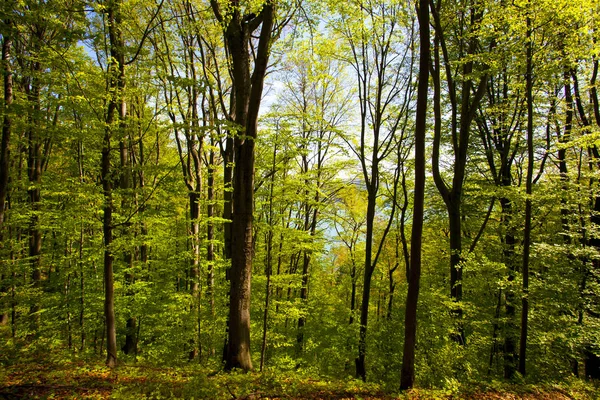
(5, 148)
(194, 202)
(6, 125)
(34, 173)
(247, 91)
(528, 210)
(407, 378)
(269, 262)
(361, 371)
(116, 80)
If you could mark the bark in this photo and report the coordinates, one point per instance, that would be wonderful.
(194, 204)
(210, 234)
(470, 95)
(126, 186)
(116, 81)
(310, 225)
(528, 205)
(6, 124)
(372, 63)
(589, 350)
(81, 290)
(497, 131)
(269, 262)
(361, 371)
(407, 378)
(34, 174)
(5, 145)
(247, 91)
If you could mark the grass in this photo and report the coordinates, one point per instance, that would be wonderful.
(83, 380)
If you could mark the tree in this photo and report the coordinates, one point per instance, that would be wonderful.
(379, 56)
(239, 23)
(466, 87)
(414, 274)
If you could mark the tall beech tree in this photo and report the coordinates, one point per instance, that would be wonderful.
(378, 53)
(7, 86)
(115, 116)
(378, 47)
(188, 114)
(407, 378)
(499, 119)
(239, 22)
(465, 86)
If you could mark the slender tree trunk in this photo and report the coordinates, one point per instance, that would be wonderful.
(528, 210)
(462, 105)
(81, 290)
(5, 147)
(210, 234)
(311, 226)
(116, 80)
(361, 371)
(194, 201)
(6, 124)
(510, 330)
(210, 237)
(34, 173)
(407, 378)
(126, 186)
(269, 262)
(352, 291)
(455, 221)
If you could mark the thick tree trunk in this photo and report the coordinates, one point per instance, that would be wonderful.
(247, 91)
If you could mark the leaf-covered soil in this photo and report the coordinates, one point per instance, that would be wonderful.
(79, 380)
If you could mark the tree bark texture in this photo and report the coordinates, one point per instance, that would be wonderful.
(407, 377)
(247, 91)
(116, 81)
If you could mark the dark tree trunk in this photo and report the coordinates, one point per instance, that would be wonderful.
(6, 124)
(194, 274)
(510, 331)
(247, 91)
(407, 378)
(126, 185)
(528, 205)
(463, 104)
(361, 371)
(81, 290)
(590, 358)
(5, 147)
(210, 234)
(34, 173)
(269, 262)
(116, 81)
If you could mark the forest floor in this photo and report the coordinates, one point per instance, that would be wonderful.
(80, 380)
